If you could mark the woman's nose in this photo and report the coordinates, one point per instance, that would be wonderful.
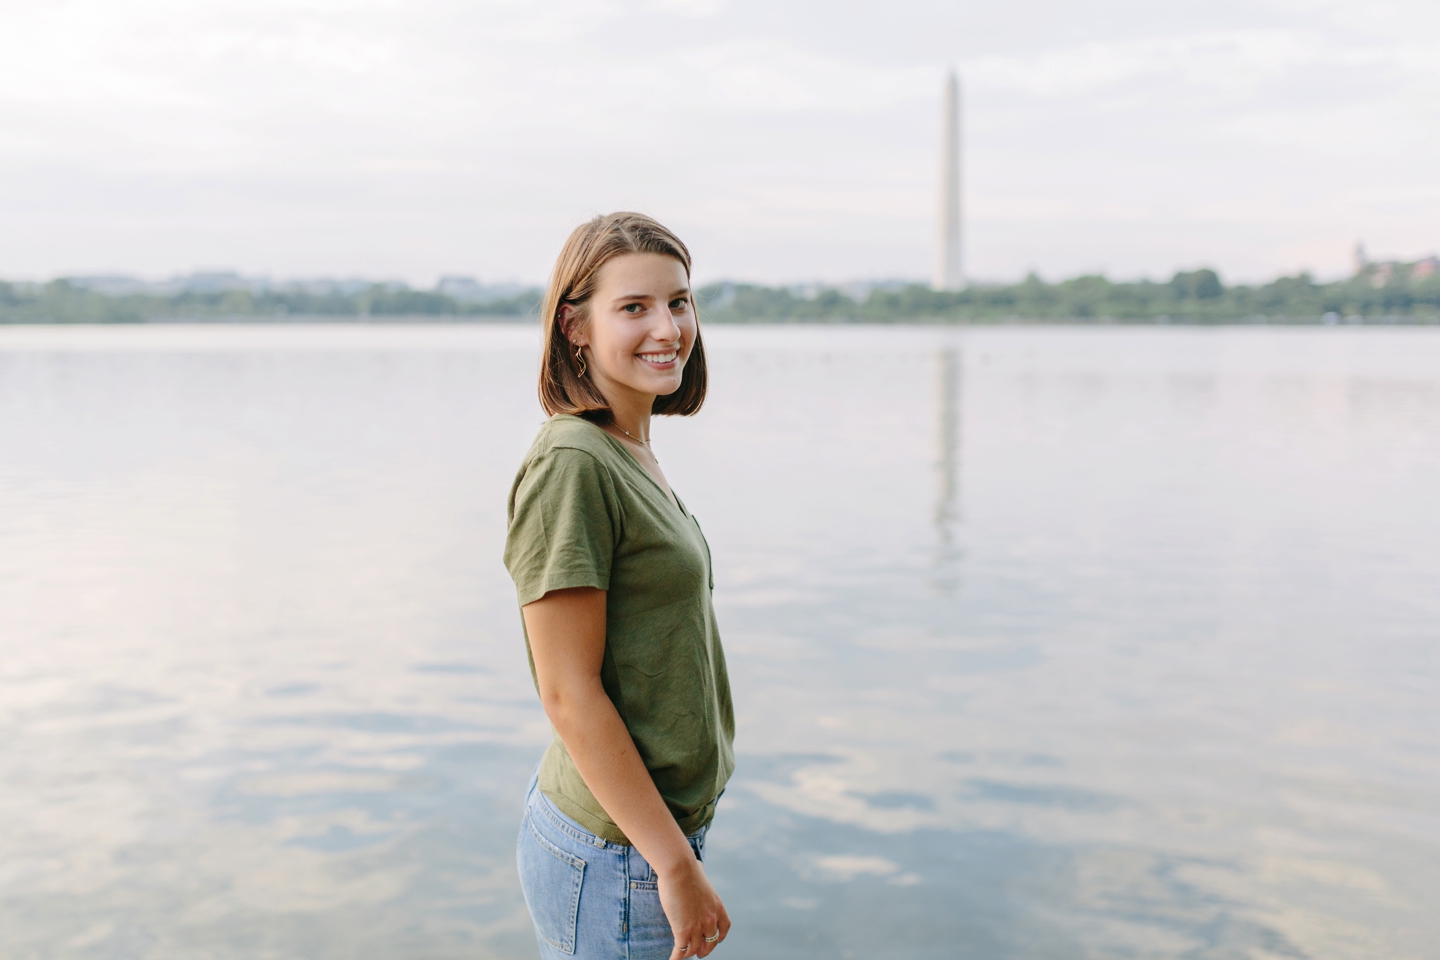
(666, 328)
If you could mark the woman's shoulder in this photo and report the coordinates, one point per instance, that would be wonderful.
(570, 462)
(564, 432)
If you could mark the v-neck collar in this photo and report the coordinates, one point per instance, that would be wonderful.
(672, 497)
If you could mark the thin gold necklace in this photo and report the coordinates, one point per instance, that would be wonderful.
(638, 440)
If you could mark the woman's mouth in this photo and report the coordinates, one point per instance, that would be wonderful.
(659, 359)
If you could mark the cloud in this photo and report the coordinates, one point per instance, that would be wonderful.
(789, 141)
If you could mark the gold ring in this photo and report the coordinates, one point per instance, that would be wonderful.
(714, 938)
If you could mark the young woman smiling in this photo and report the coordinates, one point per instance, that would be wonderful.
(614, 582)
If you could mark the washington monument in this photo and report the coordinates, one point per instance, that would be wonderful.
(949, 272)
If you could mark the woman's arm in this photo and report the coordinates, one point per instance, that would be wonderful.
(567, 639)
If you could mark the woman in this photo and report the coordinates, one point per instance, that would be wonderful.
(614, 583)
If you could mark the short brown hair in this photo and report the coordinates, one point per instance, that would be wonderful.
(590, 247)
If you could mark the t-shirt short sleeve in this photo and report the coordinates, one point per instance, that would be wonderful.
(563, 525)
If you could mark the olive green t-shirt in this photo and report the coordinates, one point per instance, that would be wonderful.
(584, 513)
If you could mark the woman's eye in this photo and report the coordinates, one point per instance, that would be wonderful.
(679, 304)
(632, 308)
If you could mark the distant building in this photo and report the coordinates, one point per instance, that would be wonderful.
(110, 285)
(216, 281)
(467, 289)
(949, 266)
(219, 281)
(860, 290)
(326, 287)
(1380, 273)
(857, 290)
(1359, 261)
(459, 288)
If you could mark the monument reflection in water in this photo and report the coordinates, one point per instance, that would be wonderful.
(1161, 682)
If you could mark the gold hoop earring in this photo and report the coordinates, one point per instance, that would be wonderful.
(580, 356)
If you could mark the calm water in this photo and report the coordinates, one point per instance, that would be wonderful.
(1046, 643)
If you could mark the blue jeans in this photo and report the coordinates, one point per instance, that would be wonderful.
(590, 899)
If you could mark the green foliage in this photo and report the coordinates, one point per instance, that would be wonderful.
(1196, 296)
(61, 302)
(58, 299)
(1197, 285)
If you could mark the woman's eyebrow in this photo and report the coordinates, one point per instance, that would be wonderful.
(633, 296)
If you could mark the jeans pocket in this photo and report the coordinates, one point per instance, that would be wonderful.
(551, 880)
(648, 935)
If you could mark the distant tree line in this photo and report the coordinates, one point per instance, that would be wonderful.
(1407, 293)
(1189, 297)
(60, 301)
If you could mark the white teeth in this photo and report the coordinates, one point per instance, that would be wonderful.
(659, 357)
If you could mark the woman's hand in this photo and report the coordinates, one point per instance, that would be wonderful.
(694, 910)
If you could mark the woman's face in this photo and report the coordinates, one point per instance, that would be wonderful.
(641, 328)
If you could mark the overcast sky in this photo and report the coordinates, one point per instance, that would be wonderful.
(784, 141)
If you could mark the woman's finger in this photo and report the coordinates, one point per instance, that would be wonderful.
(713, 933)
(685, 941)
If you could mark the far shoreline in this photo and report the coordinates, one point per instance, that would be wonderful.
(490, 320)
(529, 323)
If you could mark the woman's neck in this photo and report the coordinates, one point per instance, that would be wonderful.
(636, 426)
(631, 414)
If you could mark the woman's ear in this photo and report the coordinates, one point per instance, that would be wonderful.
(568, 315)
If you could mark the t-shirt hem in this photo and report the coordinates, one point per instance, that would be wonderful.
(565, 582)
(611, 833)
(603, 829)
